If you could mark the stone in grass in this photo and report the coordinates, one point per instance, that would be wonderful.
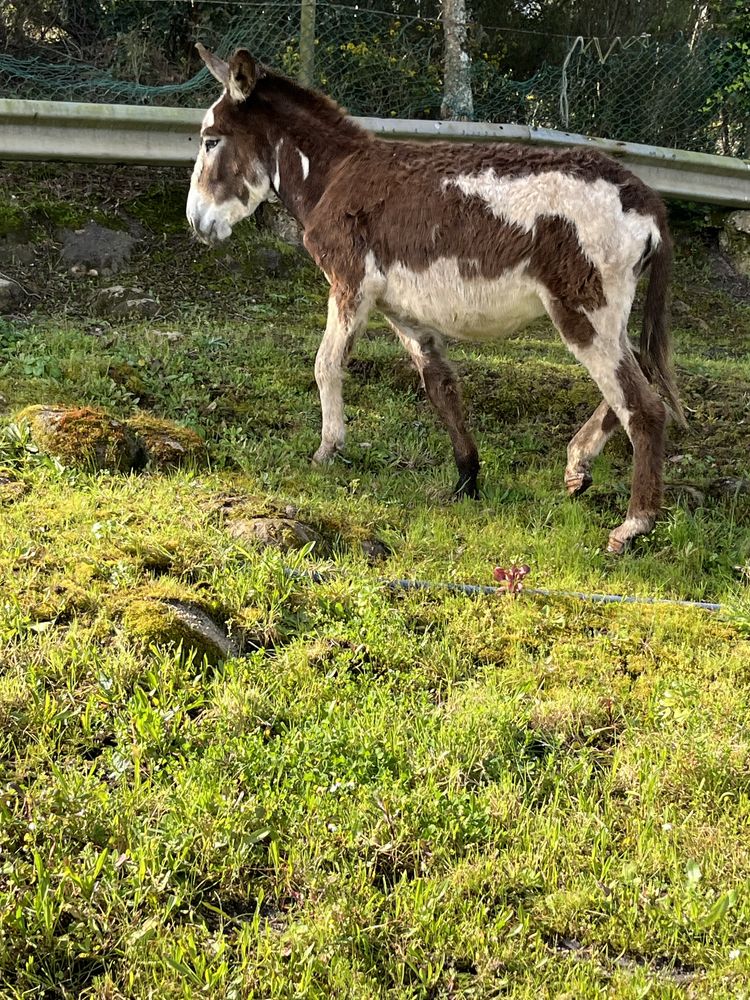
(11, 487)
(284, 533)
(170, 621)
(729, 488)
(168, 445)
(375, 550)
(83, 437)
(96, 248)
(11, 295)
(118, 302)
(734, 240)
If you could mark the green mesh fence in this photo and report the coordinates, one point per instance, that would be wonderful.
(669, 92)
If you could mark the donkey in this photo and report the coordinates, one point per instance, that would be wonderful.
(466, 242)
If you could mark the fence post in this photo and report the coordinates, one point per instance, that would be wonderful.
(307, 43)
(458, 101)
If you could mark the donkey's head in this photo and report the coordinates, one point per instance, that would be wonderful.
(231, 174)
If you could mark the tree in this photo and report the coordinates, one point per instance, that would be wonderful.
(458, 103)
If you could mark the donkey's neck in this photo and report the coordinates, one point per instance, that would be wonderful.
(308, 137)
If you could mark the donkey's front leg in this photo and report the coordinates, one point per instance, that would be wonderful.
(346, 319)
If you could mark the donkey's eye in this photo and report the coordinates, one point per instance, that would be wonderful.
(210, 143)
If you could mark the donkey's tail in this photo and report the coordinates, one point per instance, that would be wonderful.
(656, 342)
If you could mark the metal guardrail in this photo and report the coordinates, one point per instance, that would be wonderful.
(119, 133)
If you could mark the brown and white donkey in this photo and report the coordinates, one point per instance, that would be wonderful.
(466, 242)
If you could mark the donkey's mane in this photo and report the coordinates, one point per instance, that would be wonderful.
(283, 94)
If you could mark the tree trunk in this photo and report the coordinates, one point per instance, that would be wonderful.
(307, 43)
(458, 102)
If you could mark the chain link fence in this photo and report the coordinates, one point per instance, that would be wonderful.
(689, 93)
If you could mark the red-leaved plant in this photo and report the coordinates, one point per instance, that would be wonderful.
(511, 579)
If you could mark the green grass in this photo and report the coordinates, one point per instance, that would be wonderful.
(390, 795)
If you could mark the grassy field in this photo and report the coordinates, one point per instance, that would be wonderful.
(387, 795)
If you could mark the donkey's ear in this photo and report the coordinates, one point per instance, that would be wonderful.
(216, 67)
(243, 75)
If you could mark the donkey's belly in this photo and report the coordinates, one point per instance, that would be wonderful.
(463, 308)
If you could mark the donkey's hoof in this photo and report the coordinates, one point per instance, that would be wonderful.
(466, 489)
(616, 546)
(631, 528)
(577, 483)
(325, 454)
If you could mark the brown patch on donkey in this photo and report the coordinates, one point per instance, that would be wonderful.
(451, 241)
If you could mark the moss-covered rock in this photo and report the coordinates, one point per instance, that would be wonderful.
(84, 437)
(167, 444)
(283, 533)
(118, 302)
(158, 620)
(11, 487)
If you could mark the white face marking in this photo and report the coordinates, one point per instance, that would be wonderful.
(441, 298)
(208, 118)
(211, 220)
(305, 164)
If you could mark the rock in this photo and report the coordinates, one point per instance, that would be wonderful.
(274, 532)
(734, 240)
(84, 437)
(375, 550)
(170, 335)
(274, 218)
(680, 308)
(11, 294)
(168, 445)
(728, 488)
(169, 621)
(118, 302)
(11, 487)
(96, 248)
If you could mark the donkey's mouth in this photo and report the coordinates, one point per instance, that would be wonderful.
(216, 233)
(207, 239)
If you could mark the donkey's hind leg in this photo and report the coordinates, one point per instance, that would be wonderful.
(425, 348)
(601, 344)
(586, 444)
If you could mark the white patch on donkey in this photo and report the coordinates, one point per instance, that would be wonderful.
(610, 238)
(442, 298)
